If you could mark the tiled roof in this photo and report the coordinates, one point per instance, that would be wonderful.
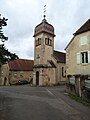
(85, 27)
(52, 63)
(21, 65)
(59, 56)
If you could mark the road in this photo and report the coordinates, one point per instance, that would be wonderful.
(39, 103)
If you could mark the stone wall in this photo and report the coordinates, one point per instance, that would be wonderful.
(72, 67)
(75, 66)
(11, 77)
(46, 76)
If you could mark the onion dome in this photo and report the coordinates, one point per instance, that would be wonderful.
(44, 27)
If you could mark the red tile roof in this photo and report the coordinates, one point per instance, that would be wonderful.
(60, 56)
(21, 65)
(85, 27)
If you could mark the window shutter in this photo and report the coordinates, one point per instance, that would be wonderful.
(88, 56)
(78, 58)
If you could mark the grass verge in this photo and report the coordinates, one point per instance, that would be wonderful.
(80, 100)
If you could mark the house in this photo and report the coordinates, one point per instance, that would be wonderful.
(78, 62)
(49, 65)
(13, 71)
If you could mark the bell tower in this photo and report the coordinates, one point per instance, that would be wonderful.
(43, 42)
(43, 50)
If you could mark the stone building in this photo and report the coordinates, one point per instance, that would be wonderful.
(13, 71)
(78, 62)
(49, 65)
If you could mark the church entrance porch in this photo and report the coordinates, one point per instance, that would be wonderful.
(44, 76)
(37, 77)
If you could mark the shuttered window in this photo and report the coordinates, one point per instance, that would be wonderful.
(83, 40)
(84, 57)
(78, 58)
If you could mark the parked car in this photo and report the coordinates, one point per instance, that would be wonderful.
(21, 82)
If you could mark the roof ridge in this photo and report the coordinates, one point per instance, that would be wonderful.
(21, 59)
(84, 27)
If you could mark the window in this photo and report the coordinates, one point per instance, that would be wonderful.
(83, 40)
(38, 41)
(51, 42)
(21, 74)
(48, 41)
(83, 57)
(62, 71)
(15, 74)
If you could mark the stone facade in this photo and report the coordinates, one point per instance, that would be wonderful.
(16, 70)
(45, 77)
(47, 70)
(4, 80)
(49, 66)
(60, 72)
(72, 53)
(78, 62)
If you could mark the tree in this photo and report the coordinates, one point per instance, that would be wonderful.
(5, 55)
(3, 22)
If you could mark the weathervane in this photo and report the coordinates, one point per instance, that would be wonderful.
(44, 11)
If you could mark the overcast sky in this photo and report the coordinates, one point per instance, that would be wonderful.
(23, 15)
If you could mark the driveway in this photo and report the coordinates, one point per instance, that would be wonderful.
(39, 103)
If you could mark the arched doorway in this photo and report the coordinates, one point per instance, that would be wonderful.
(37, 78)
(5, 81)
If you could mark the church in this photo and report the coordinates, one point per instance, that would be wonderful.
(49, 65)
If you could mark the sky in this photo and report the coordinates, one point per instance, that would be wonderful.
(67, 16)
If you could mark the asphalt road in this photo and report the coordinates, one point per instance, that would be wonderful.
(39, 103)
